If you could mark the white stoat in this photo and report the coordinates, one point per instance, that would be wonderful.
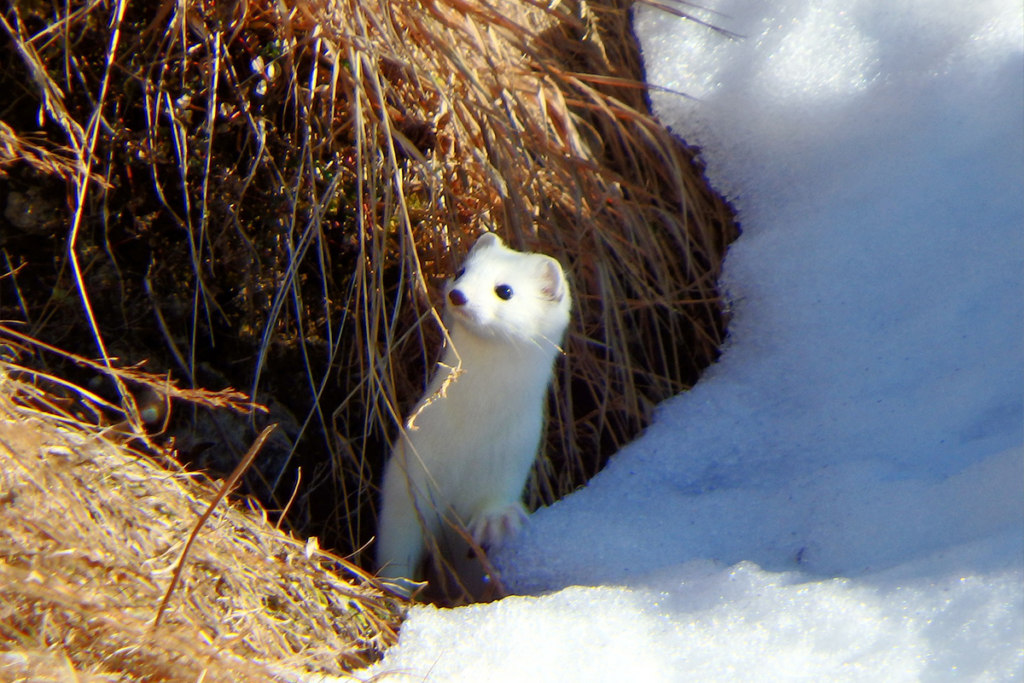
(465, 455)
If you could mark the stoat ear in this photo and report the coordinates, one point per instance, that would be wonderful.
(486, 241)
(552, 279)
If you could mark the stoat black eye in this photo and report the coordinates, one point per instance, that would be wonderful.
(460, 273)
(504, 292)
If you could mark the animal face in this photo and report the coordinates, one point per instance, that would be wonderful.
(504, 294)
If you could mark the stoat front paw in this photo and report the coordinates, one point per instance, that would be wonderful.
(492, 527)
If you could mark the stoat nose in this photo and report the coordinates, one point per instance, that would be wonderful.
(457, 298)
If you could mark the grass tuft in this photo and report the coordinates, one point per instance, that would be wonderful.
(270, 195)
(93, 535)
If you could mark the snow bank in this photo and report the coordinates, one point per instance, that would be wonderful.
(841, 498)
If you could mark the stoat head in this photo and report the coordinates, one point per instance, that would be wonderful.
(509, 295)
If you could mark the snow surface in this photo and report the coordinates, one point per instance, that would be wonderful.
(841, 498)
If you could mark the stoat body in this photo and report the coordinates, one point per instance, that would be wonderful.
(465, 454)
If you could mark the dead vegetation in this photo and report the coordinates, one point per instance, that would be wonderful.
(98, 581)
(268, 195)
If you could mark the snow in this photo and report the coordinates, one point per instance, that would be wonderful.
(840, 498)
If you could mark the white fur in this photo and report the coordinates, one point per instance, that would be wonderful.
(466, 452)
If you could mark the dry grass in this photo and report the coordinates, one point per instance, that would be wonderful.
(92, 532)
(269, 195)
